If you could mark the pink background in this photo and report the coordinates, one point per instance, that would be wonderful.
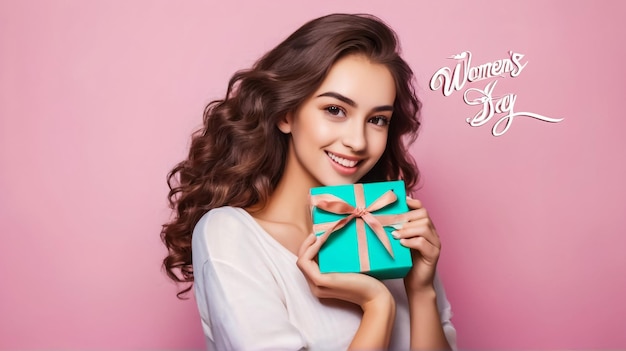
(98, 99)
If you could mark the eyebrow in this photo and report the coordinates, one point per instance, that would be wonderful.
(351, 102)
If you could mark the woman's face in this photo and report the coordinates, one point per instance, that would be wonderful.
(340, 132)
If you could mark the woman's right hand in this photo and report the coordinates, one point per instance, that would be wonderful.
(377, 303)
(357, 288)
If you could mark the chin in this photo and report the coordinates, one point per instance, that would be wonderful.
(327, 181)
(330, 177)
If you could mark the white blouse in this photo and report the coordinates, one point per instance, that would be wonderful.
(252, 296)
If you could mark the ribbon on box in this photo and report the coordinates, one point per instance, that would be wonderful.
(362, 215)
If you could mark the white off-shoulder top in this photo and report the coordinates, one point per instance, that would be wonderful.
(252, 296)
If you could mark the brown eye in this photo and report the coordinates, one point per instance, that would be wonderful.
(335, 110)
(379, 121)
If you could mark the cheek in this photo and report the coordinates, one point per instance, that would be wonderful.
(319, 130)
(379, 143)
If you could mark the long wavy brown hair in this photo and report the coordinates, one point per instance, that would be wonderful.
(237, 157)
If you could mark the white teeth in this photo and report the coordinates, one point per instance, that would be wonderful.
(342, 161)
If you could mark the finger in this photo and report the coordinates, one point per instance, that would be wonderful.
(417, 214)
(312, 250)
(305, 262)
(310, 240)
(428, 251)
(422, 227)
(413, 203)
(418, 238)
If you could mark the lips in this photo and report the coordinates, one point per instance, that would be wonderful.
(343, 161)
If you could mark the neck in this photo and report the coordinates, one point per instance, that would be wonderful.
(289, 203)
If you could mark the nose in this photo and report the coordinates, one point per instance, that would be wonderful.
(354, 136)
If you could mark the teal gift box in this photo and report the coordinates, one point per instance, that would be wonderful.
(358, 220)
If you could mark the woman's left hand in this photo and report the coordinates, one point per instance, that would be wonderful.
(419, 234)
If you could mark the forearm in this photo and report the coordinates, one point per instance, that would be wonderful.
(375, 329)
(426, 329)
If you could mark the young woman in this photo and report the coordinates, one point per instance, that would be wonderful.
(332, 104)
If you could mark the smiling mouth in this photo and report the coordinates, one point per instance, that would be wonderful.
(342, 161)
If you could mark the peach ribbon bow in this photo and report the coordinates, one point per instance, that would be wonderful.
(362, 214)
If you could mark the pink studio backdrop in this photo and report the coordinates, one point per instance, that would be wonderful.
(98, 99)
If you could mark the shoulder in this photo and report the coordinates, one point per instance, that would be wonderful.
(222, 215)
(224, 232)
(222, 220)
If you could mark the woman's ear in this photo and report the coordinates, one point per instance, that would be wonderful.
(284, 124)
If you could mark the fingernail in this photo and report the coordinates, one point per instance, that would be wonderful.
(395, 234)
